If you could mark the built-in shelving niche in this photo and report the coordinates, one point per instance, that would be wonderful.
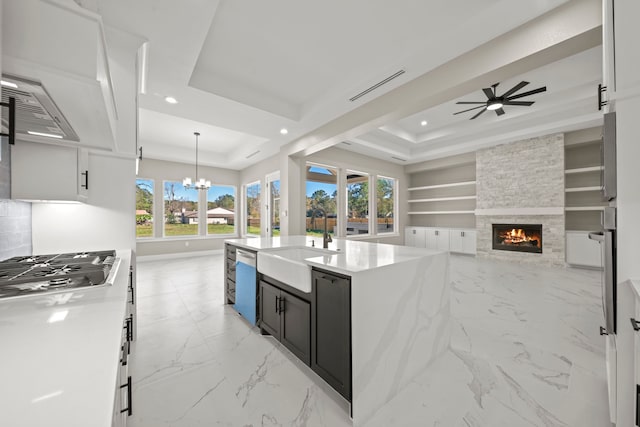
(443, 193)
(583, 169)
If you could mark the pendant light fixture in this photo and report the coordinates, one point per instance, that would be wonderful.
(200, 184)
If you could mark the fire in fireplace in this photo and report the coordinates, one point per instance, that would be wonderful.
(518, 237)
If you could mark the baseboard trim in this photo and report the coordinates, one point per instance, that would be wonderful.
(175, 255)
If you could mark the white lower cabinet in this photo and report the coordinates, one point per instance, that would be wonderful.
(49, 172)
(462, 241)
(415, 236)
(437, 239)
(459, 240)
(582, 251)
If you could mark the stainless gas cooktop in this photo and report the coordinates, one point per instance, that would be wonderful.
(38, 274)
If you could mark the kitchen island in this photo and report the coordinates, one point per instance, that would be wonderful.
(399, 310)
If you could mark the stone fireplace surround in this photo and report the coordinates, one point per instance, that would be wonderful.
(522, 183)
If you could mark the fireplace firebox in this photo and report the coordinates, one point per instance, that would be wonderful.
(518, 237)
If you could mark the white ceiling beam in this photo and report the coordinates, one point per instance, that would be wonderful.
(565, 31)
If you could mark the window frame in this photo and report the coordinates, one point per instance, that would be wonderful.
(245, 207)
(235, 212)
(395, 205)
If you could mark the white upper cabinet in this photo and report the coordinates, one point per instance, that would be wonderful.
(45, 172)
(62, 46)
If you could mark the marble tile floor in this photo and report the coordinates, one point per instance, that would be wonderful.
(525, 351)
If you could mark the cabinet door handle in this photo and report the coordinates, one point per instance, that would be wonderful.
(86, 179)
(277, 304)
(282, 306)
(125, 352)
(129, 408)
(329, 278)
(437, 232)
(603, 331)
(11, 134)
(634, 324)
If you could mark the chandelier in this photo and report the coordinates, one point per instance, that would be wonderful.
(200, 184)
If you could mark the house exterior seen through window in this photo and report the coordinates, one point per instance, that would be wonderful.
(221, 208)
(180, 210)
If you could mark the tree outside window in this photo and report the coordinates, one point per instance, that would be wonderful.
(385, 196)
(322, 193)
(144, 208)
(180, 210)
(253, 208)
(357, 203)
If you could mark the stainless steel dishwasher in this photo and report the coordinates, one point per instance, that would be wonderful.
(246, 285)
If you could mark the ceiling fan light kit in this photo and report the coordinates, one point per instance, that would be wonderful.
(495, 102)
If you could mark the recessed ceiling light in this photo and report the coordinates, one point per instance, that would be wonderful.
(170, 99)
(423, 123)
(48, 135)
(8, 84)
(494, 105)
(284, 131)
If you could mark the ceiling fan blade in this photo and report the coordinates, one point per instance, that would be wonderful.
(474, 108)
(531, 92)
(471, 102)
(521, 103)
(499, 111)
(515, 89)
(481, 111)
(488, 92)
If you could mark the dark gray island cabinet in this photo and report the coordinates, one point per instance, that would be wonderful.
(315, 327)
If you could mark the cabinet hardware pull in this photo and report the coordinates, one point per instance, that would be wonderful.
(86, 179)
(437, 232)
(282, 300)
(603, 331)
(329, 278)
(124, 358)
(634, 324)
(129, 408)
(277, 304)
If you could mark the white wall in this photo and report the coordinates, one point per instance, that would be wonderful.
(104, 222)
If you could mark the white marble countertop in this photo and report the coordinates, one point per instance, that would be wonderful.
(60, 355)
(352, 256)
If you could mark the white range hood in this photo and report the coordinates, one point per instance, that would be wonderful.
(62, 46)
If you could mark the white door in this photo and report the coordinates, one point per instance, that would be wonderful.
(272, 224)
(442, 239)
(456, 241)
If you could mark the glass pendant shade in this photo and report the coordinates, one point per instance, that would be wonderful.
(199, 184)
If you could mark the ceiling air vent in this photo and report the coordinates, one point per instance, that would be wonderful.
(346, 143)
(252, 154)
(399, 159)
(36, 113)
(377, 85)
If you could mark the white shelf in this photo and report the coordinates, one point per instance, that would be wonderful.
(442, 212)
(581, 189)
(443, 199)
(584, 208)
(583, 170)
(452, 184)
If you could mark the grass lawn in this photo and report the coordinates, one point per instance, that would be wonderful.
(252, 229)
(181, 229)
(220, 229)
(145, 230)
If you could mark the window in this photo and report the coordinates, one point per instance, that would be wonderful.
(357, 203)
(322, 193)
(252, 192)
(385, 205)
(221, 208)
(180, 210)
(274, 206)
(144, 208)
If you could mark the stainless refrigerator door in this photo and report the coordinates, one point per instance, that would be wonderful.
(607, 239)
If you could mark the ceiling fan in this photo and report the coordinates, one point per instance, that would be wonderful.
(495, 102)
